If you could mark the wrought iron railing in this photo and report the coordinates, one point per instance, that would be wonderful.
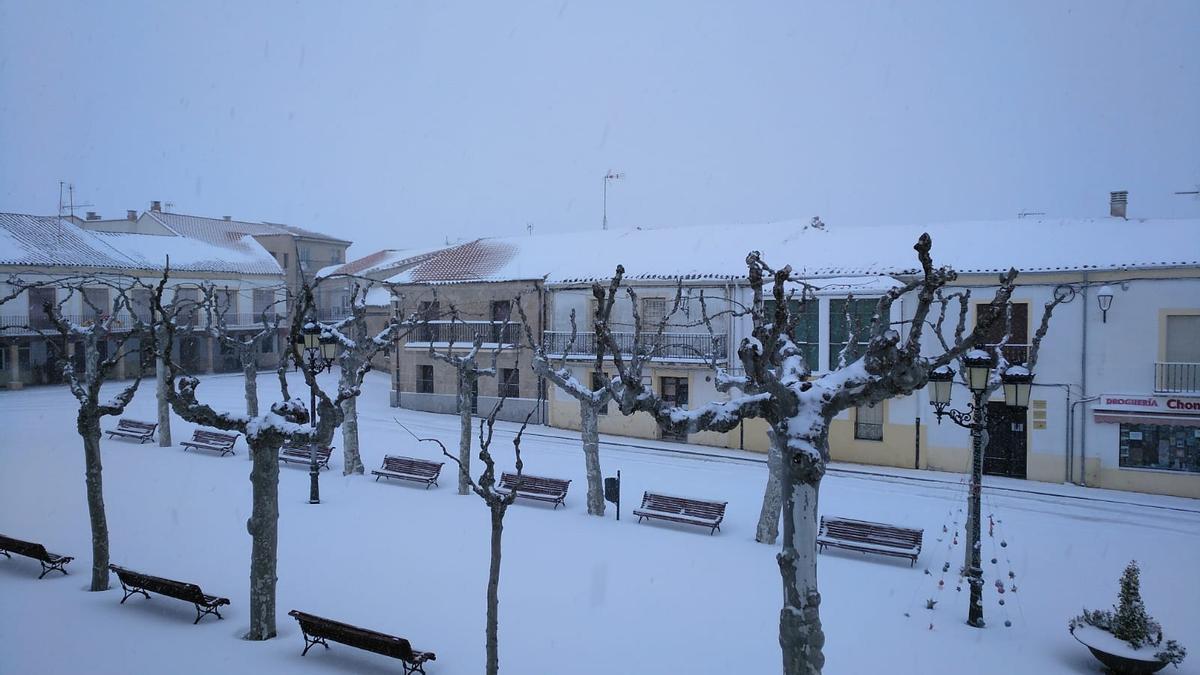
(35, 322)
(672, 346)
(1176, 378)
(464, 332)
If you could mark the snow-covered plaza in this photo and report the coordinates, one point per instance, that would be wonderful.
(578, 594)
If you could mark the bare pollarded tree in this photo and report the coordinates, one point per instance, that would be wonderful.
(468, 371)
(104, 328)
(497, 502)
(286, 420)
(592, 397)
(244, 346)
(778, 386)
(358, 347)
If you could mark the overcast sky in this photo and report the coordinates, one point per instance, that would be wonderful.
(400, 124)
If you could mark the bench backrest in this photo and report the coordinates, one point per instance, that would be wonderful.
(538, 484)
(869, 532)
(214, 438)
(411, 465)
(153, 584)
(362, 638)
(134, 425)
(305, 451)
(683, 505)
(25, 548)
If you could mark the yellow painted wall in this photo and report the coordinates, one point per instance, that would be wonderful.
(1155, 482)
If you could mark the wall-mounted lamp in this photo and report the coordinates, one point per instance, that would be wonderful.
(1104, 296)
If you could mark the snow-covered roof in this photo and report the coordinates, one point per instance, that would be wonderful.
(217, 230)
(378, 296)
(57, 242)
(719, 252)
(381, 261)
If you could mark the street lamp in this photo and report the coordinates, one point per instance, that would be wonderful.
(319, 352)
(1104, 296)
(1017, 382)
(611, 175)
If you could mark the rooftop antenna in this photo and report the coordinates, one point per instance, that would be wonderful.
(1195, 192)
(67, 207)
(610, 175)
(1030, 213)
(529, 228)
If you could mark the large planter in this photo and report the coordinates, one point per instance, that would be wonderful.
(1116, 654)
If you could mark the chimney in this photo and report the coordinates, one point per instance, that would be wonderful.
(1117, 202)
(131, 214)
(156, 206)
(92, 215)
(227, 218)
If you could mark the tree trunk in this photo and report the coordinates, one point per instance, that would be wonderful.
(263, 527)
(464, 433)
(800, 634)
(589, 430)
(493, 595)
(164, 407)
(250, 370)
(768, 517)
(89, 428)
(351, 460)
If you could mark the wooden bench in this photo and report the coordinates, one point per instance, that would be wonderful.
(127, 428)
(136, 582)
(302, 454)
(409, 468)
(867, 537)
(535, 487)
(317, 630)
(49, 561)
(211, 440)
(702, 512)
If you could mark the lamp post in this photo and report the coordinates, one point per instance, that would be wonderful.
(319, 352)
(611, 175)
(1017, 382)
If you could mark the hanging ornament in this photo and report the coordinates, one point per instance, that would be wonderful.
(958, 588)
(993, 561)
(1001, 601)
(946, 566)
(941, 584)
(1007, 624)
(1011, 575)
(1003, 544)
(1014, 588)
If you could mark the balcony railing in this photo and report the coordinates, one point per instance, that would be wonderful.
(673, 347)
(463, 333)
(35, 322)
(1176, 378)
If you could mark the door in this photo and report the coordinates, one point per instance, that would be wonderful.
(674, 391)
(1005, 452)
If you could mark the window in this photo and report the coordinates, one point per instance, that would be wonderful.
(94, 304)
(427, 311)
(599, 381)
(424, 379)
(38, 299)
(654, 310)
(140, 299)
(868, 422)
(1017, 349)
(264, 302)
(268, 345)
(501, 313)
(186, 301)
(674, 391)
(510, 383)
(305, 255)
(227, 305)
(1183, 338)
(806, 334)
(860, 313)
(1160, 446)
(285, 261)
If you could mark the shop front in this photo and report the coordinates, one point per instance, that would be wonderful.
(1157, 442)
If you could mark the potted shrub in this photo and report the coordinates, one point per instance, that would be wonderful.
(1126, 639)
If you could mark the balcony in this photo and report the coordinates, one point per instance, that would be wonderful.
(37, 322)
(463, 333)
(684, 347)
(1177, 378)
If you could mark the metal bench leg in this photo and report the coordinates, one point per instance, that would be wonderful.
(48, 568)
(310, 642)
(5, 554)
(130, 591)
(201, 611)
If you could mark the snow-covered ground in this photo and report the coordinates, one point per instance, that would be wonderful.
(578, 594)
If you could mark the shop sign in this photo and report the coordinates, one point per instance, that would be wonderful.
(1166, 405)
